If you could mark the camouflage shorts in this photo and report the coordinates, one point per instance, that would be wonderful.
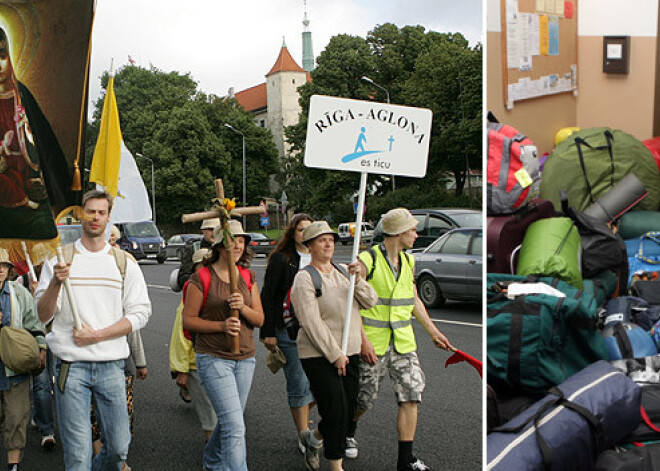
(406, 373)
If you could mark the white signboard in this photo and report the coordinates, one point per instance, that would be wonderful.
(367, 136)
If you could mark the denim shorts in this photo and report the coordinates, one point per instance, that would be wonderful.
(297, 384)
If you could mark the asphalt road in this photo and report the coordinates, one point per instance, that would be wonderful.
(168, 436)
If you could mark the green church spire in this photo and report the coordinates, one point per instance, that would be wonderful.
(308, 54)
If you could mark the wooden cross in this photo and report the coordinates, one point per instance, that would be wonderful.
(219, 211)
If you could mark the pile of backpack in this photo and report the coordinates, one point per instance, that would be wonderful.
(573, 294)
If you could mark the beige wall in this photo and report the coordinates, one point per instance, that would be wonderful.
(625, 102)
(538, 118)
(283, 107)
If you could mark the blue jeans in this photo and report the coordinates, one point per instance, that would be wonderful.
(297, 384)
(106, 383)
(227, 383)
(42, 387)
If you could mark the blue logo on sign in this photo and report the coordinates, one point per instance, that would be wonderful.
(359, 148)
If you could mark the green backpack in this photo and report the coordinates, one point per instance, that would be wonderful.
(590, 162)
(537, 341)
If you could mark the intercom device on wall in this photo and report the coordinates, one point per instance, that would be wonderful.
(616, 54)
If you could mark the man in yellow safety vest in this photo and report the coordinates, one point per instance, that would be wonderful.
(388, 340)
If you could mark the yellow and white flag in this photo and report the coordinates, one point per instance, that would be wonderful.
(107, 154)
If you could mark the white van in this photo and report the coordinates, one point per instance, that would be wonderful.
(346, 232)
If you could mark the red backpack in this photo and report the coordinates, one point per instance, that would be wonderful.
(205, 278)
(512, 176)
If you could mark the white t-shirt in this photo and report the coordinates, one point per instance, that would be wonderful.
(305, 259)
(97, 288)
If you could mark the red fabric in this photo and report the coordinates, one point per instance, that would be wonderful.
(21, 267)
(460, 356)
(653, 145)
(15, 177)
(647, 420)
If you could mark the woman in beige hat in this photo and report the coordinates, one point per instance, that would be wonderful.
(332, 374)
(16, 310)
(226, 376)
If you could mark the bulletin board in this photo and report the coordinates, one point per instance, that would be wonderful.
(540, 48)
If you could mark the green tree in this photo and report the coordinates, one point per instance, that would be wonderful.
(165, 118)
(448, 80)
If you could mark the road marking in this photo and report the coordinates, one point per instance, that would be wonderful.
(160, 287)
(470, 324)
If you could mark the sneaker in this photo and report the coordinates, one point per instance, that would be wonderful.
(312, 454)
(415, 465)
(47, 442)
(351, 448)
(301, 446)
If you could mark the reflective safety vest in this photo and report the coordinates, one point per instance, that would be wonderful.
(392, 314)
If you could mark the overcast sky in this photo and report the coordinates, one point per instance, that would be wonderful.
(235, 43)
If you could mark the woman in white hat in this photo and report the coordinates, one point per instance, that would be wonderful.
(226, 376)
(16, 310)
(333, 375)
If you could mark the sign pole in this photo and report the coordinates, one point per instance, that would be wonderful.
(356, 249)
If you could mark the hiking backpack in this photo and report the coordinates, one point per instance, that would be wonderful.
(513, 169)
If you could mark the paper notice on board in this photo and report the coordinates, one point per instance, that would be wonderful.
(534, 35)
(514, 94)
(553, 36)
(513, 44)
(543, 35)
(511, 10)
(540, 6)
(524, 87)
(525, 42)
(559, 8)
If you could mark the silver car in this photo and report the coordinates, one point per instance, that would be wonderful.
(450, 268)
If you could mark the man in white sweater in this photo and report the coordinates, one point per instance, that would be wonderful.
(91, 360)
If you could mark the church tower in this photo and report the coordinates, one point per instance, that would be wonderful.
(282, 82)
(308, 54)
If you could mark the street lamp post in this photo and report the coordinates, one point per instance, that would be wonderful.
(229, 126)
(153, 187)
(371, 82)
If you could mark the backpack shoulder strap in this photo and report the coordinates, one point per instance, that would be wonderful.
(246, 273)
(371, 252)
(410, 259)
(316, 279)
(205, 277)
(341, 269)
(121, 259)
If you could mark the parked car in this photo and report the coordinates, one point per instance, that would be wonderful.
(261, 243)
(69, 233)
(450, 268)
(432, 223)
(177, 243)
(346, 232)
(142, 240)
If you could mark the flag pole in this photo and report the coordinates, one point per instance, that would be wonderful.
(69, 292)
(356, 248)
(33, 275)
